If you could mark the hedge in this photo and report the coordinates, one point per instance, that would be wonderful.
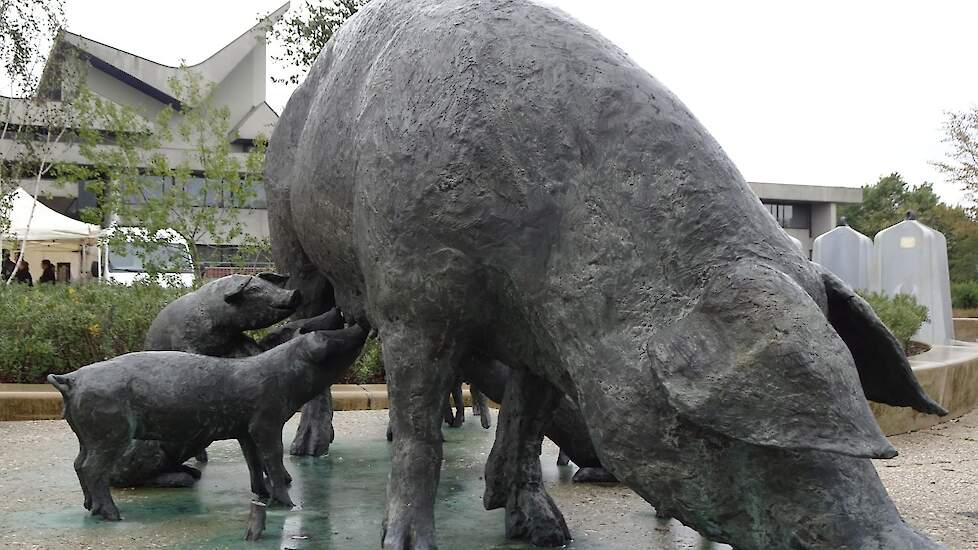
(58, 328)
(964, 295)
(54, 329)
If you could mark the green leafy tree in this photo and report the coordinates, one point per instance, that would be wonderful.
(887, 202)
(141, 181)
(27, 29)
(303, 33)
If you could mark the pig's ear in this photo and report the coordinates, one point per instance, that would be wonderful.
(884, 371)
(274, 278)
(236, 290)
(756, 360)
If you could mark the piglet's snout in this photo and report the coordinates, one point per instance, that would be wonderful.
(290, 299)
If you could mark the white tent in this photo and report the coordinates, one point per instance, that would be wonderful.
(51, 236)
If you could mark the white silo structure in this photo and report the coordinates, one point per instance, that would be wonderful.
(911, 258)
(847, 253)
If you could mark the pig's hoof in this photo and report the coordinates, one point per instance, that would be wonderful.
(533, 516)
(106, 511)
(282, 497)
(311, 440)
(563, 459)
(594, 475)
(172, 480)
(88, 502)
(191, 471)
(404, 535)
(390, 433)
(201, 457)
(486, 419)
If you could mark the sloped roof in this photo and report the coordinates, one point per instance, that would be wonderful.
(260, 120)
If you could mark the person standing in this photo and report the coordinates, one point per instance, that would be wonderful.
(23, 273)
(47, 273)
(7, 266)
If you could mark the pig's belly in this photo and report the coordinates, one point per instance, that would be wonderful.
(325, 230)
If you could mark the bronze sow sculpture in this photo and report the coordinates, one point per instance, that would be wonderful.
(491, 177)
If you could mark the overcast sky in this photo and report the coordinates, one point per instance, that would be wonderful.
(821, 93)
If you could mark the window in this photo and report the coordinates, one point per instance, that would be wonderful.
(791, 216)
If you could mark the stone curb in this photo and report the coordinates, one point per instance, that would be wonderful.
(949, 374)
(43, 402)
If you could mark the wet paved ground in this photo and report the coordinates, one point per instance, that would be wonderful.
(934, 483)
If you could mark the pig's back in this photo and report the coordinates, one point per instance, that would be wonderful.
(512, 134)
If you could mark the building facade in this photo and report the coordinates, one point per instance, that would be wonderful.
(806, 211)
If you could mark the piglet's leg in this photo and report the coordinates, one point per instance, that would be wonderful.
(79, 462)
(94, 473)
(420, 373)
(513, 477)
(268, 439)
(255, 469)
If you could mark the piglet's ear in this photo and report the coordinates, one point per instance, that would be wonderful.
(236, 290)
(274, 278)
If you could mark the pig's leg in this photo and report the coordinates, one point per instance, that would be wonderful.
(255, 469)
(95, 470)
(268, 440)
(315, 431)
(459, 405)
(480, 408)
(79, 461)
(420, 373)
(513, 477)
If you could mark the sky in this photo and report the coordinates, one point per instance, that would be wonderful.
(818, 93)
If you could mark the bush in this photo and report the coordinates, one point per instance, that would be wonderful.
(901, 314)
(964, 295)
(54, 329)
(369, 366)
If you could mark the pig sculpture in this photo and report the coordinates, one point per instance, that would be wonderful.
(212, 319)
(491, 177)
(175, 396)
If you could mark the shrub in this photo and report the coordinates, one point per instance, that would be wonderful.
(901, 314)
(964, 295)
(369, 366)
(54, 329)
(59, 328)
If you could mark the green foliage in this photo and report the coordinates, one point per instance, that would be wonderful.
(887, 202)
(961, 137)
(369, 367)
(59, 328)
(303, 33)
(901, 314)
(964, 295)
(27, 28)
(131, 168)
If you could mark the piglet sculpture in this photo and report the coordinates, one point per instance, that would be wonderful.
(175, 396)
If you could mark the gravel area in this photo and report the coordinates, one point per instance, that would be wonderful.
(934, 483)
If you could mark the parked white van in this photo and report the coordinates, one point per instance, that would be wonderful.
(121, 262)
